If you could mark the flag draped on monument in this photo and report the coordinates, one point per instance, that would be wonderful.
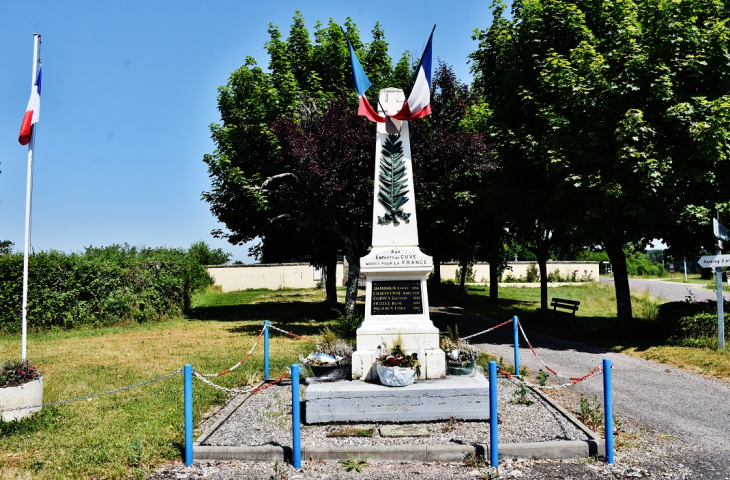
(418, 104)
(32, 112)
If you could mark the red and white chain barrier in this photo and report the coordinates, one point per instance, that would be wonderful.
(573, 380)
(292, 334)
(241, 390)
(261, 334)
(487, 330)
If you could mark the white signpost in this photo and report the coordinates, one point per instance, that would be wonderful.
(718, 261)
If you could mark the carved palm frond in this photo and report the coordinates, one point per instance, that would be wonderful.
(392, 187)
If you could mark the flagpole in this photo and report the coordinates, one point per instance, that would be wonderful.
(28, 197)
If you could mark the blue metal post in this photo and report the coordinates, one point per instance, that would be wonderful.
(515, 329)
(188, 390)
(296, 435)
(608, 408)
(493, 418)
(266, 349)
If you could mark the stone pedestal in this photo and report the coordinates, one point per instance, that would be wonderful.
(395, 269)
(465, 398)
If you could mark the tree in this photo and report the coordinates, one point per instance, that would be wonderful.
(330, 186)
(619, 108)
(6, 247)
(451, 164)
(253, 179)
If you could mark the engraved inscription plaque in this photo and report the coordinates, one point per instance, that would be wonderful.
(401, 297)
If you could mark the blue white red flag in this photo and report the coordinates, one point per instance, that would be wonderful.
(32, 112)
(362, 83)
(418, 104)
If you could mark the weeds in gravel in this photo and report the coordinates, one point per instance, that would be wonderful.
(279, 473)
(474, 461)
(353, 463)
(590, 413)
(520, 396)
(449, 425)
(542, 378)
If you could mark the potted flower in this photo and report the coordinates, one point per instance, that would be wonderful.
(461, 356)
(395, 366)
(332, 358)
(20, 385)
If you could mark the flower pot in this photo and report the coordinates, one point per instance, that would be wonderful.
(337, 372)
(27, 394)
(458, 368)
(396, 376)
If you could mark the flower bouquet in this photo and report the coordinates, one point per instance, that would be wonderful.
(396, 367)
(332, 358)
(461, 356)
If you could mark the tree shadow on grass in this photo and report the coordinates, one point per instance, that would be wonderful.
(308, 317)
(544, 329)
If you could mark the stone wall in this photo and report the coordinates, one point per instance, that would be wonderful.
(519, 269)
(274, 276)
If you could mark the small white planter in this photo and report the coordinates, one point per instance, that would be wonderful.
(395, 376)
(28, 394)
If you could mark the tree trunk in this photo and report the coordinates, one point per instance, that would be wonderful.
(353, 279)
(464, 264)
(331, 280)
(542, 258)
(436, 270)
(493, 280)
(615, 252)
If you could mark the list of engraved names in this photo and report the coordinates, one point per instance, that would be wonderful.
(396, 298)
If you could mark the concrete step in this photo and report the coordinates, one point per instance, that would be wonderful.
(466, 398)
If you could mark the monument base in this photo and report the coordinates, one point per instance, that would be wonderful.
(465, 398)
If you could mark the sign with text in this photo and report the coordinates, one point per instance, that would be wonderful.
(396, 297)
(720, 230)
(710, 261)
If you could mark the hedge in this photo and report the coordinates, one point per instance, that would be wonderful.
(102, 286)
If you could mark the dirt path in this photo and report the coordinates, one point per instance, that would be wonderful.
(681, 404)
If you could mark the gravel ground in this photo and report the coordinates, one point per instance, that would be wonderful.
(265, 419)
(641, 452)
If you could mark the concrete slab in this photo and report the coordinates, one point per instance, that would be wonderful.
(397, 431)
(466, 398)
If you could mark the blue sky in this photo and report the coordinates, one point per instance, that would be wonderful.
(129, 90)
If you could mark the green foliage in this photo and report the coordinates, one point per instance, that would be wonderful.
(519, 397)
(590, 412)
(542, 378)
(102, 286)
(346, 324)
(6, 247)
(17, 372)
(202, 254)
(533, 274)
(469, 274)
(699, 330)
(637, 263)
(353, 463)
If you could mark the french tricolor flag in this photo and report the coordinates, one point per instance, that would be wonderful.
(418, 104)
(32, 112)
(362, 83)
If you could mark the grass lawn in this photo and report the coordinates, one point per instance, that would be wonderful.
(649, 336)
(126, 434)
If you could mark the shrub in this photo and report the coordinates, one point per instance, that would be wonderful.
(101, 286)
(533, 274)
(699, 330)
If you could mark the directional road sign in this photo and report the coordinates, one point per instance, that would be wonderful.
(710, 261)
(720, 230)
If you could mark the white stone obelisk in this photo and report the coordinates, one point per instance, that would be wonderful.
(395, 269)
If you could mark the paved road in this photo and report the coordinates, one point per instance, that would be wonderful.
(690, 407)
(671, 291)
